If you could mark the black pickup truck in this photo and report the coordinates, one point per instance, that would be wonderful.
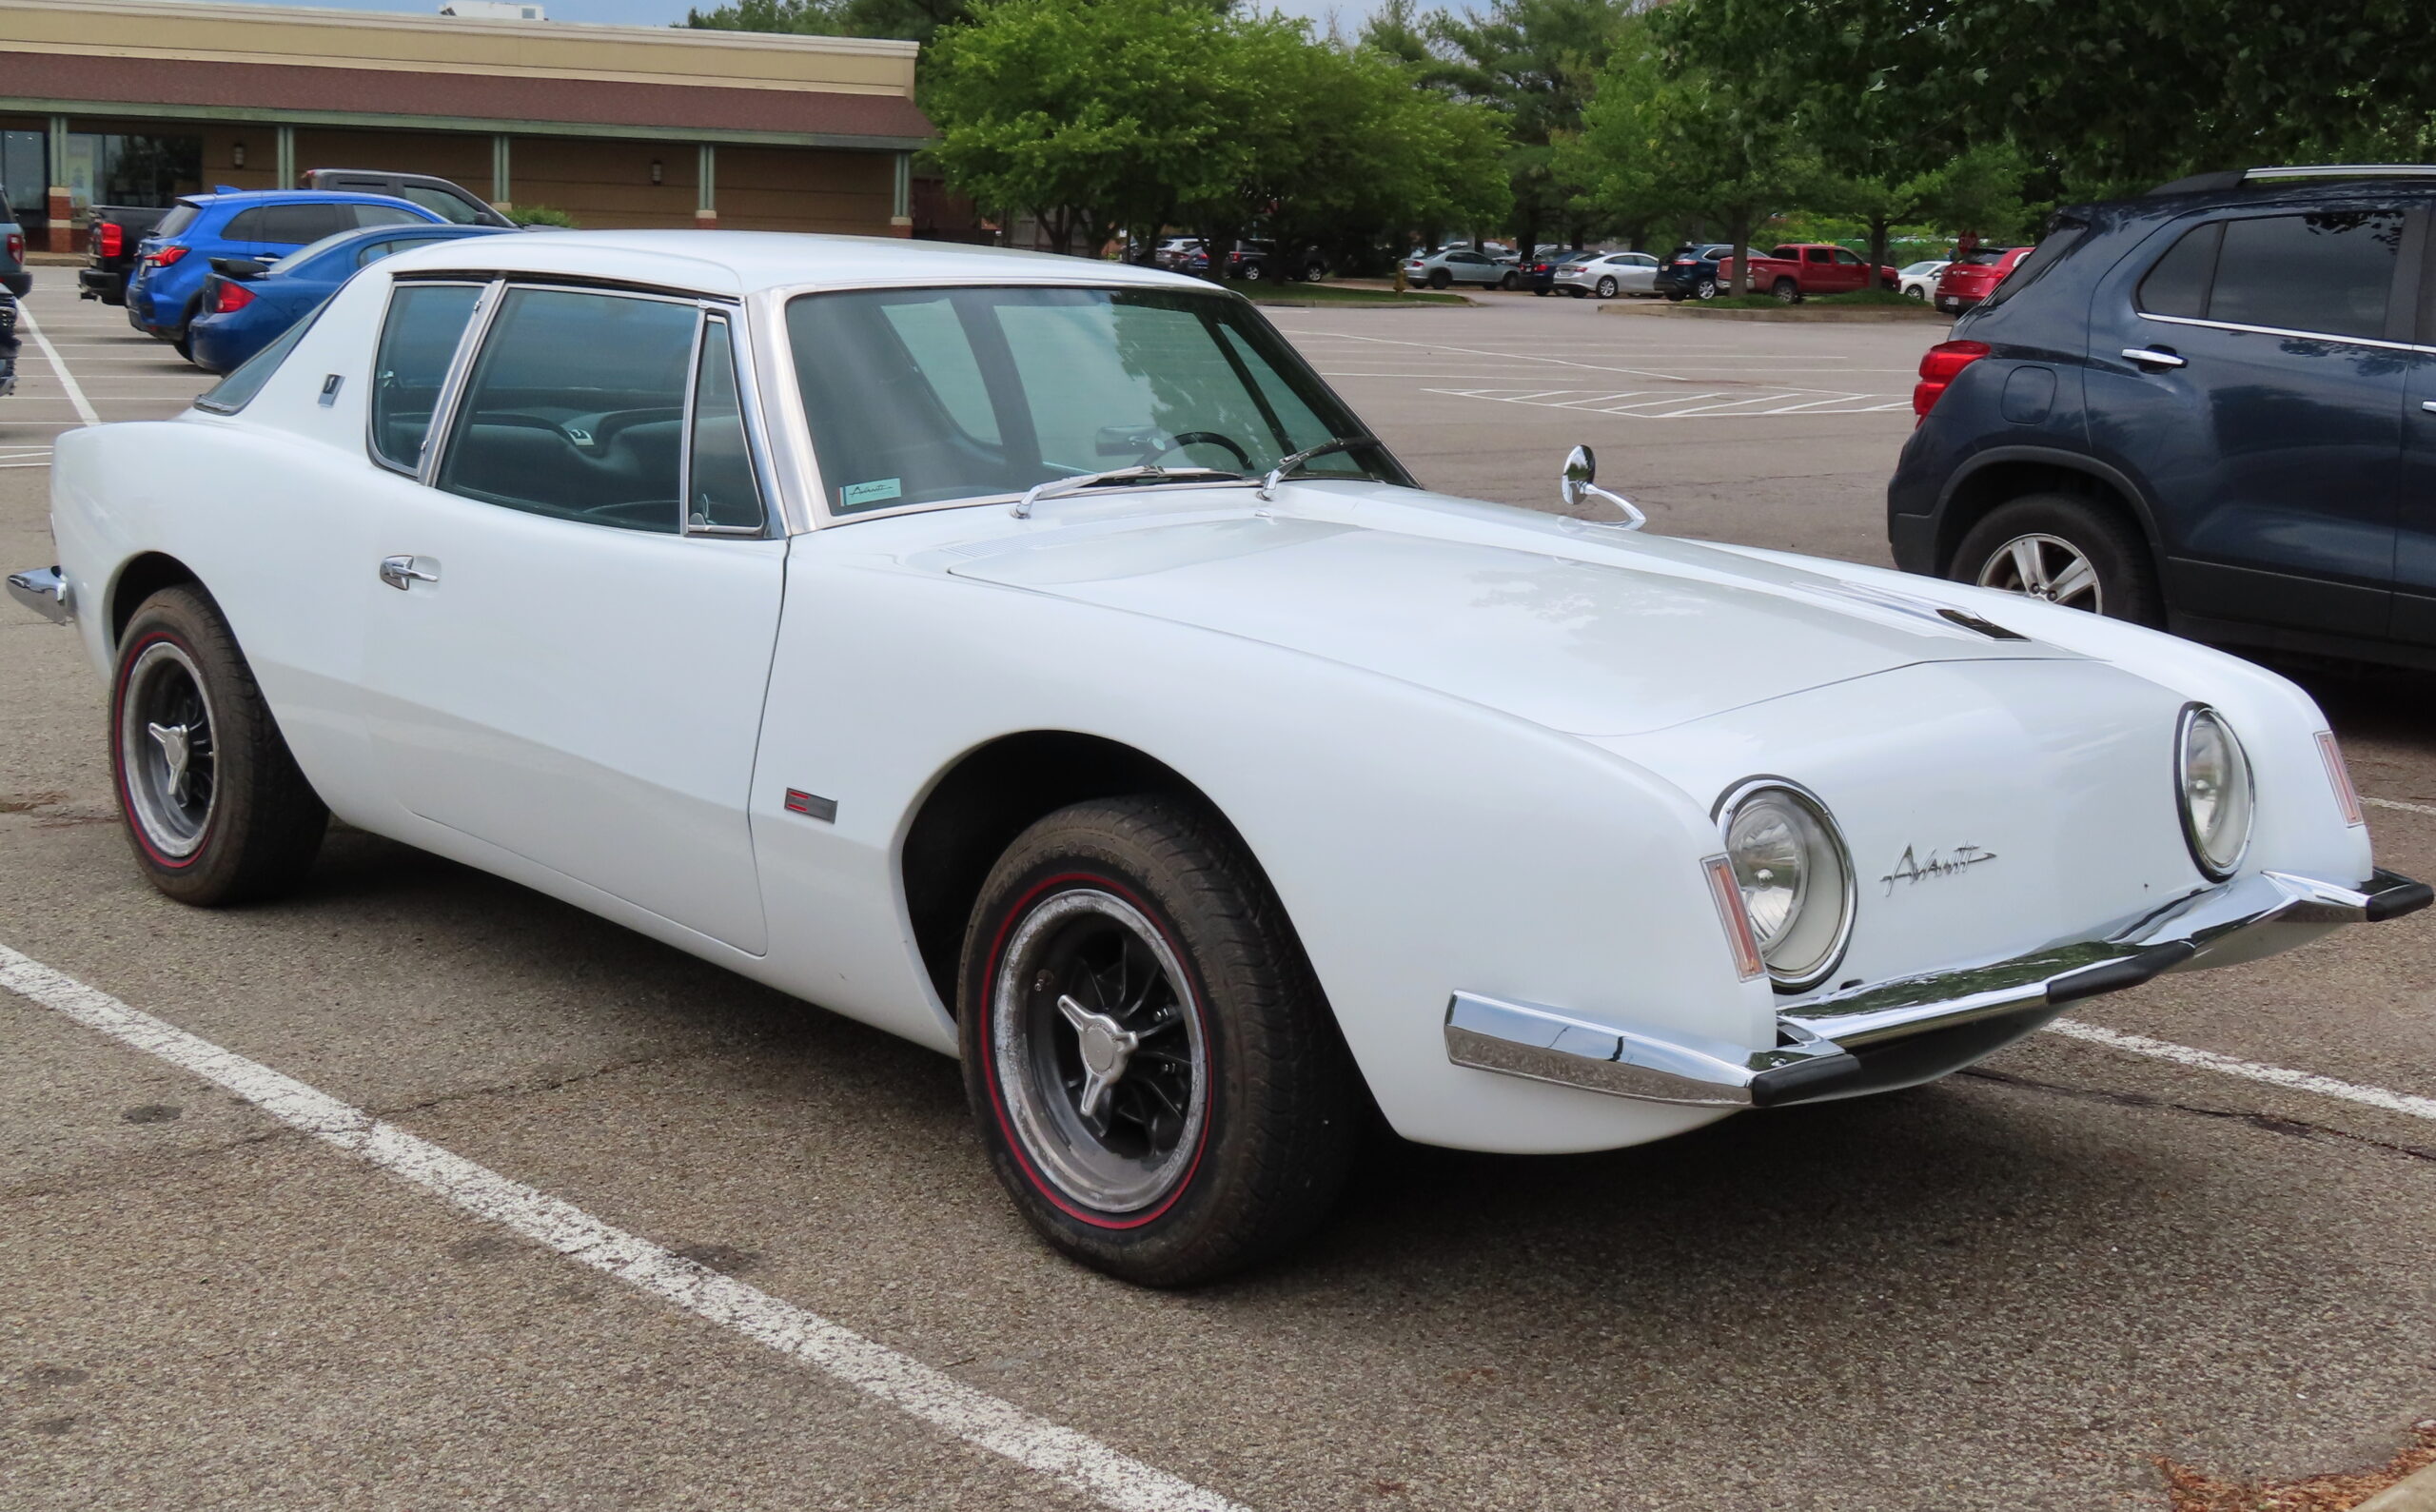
(111, 235)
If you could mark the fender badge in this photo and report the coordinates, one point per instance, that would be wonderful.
(811, 807)
(1913, 871)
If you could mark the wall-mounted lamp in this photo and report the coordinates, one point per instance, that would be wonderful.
(655, 170)
(237, 155)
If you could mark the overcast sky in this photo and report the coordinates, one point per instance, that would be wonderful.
(668, 13)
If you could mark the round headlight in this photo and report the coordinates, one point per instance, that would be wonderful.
(2213, 774)
(1796, 880)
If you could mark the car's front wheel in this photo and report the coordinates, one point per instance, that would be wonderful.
(216, 809)
(1508, 282)
(1155, 1071)
(1917, 293)
(2065, 550)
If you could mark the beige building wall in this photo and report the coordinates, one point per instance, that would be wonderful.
(766, 188)
(606, 184)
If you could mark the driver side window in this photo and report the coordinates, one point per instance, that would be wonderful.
(576, 409)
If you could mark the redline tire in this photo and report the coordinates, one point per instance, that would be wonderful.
(1245, 1114)
(215, 808)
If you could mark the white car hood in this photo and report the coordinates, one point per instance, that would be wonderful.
(1589, 631)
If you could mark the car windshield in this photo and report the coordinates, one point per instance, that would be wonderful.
(1928, 267)
(923, 396)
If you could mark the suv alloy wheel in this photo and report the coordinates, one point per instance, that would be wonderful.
(2066, 550)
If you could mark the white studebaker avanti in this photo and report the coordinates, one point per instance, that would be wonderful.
(1034, 658)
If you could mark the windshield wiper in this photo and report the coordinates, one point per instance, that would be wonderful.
(1288, 464)
(1147, 473)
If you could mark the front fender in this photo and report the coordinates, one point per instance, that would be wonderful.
(1422, 846)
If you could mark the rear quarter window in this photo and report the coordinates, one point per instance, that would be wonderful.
(238, 389)
(179, 218)
(2051, 249)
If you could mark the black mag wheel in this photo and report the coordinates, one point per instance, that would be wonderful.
(1155, 1074)
(215, 807)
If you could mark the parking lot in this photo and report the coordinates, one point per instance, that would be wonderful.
(2196, 1227)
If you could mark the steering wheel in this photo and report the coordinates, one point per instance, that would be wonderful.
(1197, 438)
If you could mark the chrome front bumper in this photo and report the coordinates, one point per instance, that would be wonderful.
(44, 592)
(1904, 1033)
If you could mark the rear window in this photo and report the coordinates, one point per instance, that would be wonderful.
(179, 218)
(2061, 237)
(2329, 273)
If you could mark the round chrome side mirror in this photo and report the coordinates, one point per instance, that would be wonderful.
(1581, 471)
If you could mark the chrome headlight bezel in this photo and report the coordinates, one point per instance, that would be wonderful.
(2242, 787)
(1815, 942)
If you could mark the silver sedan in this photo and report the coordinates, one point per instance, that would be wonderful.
(1608, 275)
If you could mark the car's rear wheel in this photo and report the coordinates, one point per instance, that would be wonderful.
(1155, 1073)
(1787, 291)
(2065, 550)
(1439, 278)
(1606, 288)
(1705, 288)
(216, 809)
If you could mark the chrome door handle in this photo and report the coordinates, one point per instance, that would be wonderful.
(2150, 357)
(399, 571)
(2428, 404)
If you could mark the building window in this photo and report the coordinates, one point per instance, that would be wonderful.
(132, 169)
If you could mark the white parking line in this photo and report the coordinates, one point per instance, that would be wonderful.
(67, 380)
(2397, 803)
(1082, 1463)
(2248, 1071)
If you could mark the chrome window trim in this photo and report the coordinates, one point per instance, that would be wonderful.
(754, 458)
(770, 306)
(477, 335)
(2278, 330)
(372, 378)
(452, 387)
(685, 431)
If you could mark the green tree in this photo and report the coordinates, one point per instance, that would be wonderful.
(1537, 63)
(1688, 141)
(1092, 115)
(2100, 95)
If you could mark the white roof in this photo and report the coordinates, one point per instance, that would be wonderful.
(739, 263)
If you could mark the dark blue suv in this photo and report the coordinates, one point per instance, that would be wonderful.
(2211, 408)
(164, 293)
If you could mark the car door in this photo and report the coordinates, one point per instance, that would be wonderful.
(1851, 274)
(1635, 273)
(2247, 368)
(2414, 608)
(575, 599)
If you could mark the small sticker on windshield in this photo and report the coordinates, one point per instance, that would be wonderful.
(870, 493)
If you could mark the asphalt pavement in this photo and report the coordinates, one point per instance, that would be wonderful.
(2022, 1287)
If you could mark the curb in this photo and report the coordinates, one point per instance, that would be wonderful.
(2415, 1492)
(1794, 315)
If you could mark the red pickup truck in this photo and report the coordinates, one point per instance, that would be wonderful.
(1802, 268)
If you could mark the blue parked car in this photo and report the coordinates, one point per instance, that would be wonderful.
(246, 304)
(1691, 271)
(165, 290)
(2209, 409)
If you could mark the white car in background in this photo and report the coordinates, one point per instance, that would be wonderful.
(1608, 275)
(1919, 280)
(1032, 657)
(1460, 265)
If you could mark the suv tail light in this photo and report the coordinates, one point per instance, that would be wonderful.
(1938, 368)
(111, 240)
(227, 296)
(17, 246)
(164, 256)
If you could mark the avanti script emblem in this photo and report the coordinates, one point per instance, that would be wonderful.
(1915, 871)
